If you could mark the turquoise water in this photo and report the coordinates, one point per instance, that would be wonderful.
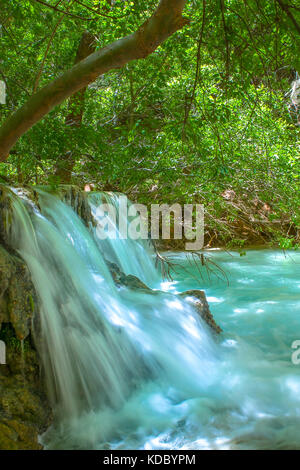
(258, 307)
(258, 298)
(136, 370)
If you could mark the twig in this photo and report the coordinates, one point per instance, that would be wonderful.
(38, 76)
(97, 11)
(62, 11)
(200, 40)
(286, 9)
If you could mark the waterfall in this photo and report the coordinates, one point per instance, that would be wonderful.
(132, 256)
(103, 348)
(78, 298)
(131, 369)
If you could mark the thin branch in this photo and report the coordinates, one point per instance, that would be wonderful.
(16, 82)
(286, 9)
(258, 51)
(62, 11)
(38, 76)
(293, 7)
(200, 40)
(226, 37)
(98, 12)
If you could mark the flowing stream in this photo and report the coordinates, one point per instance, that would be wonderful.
(137, 370)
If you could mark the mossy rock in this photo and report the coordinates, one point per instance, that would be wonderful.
(17, 295)
(15, 435)
(24, 409)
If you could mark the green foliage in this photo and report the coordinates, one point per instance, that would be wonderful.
(207, 111)
(11, 341)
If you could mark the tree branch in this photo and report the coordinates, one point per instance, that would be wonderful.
(98, 12)
(38, 76)
(53, 7)
(76, 103)
(192, 97)
(286, 9)
(166, 20)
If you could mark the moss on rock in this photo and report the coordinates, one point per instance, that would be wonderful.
(24, 409)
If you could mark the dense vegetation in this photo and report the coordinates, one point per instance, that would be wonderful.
(208, 117)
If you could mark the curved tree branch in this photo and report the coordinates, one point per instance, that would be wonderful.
(165, 21)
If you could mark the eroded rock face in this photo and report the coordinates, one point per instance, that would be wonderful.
(24, 409)
(17, 294)
(5, 215)
(77, 199)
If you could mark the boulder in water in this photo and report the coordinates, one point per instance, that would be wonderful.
(198, 299)
(126, 280)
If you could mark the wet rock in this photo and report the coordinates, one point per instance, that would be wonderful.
(17, 295)
(24, 409)
(198, 299)
(5, 215)
(195, 297)
(126, 280)
(78, 200)
(133, 282)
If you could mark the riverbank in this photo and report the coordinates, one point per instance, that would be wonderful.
(235, 221)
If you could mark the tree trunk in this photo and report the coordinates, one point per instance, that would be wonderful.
(163, 23)
(65, 164)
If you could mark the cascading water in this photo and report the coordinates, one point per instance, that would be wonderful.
(100, 346)
(132, 256)
(135, 370)
(77, 296)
